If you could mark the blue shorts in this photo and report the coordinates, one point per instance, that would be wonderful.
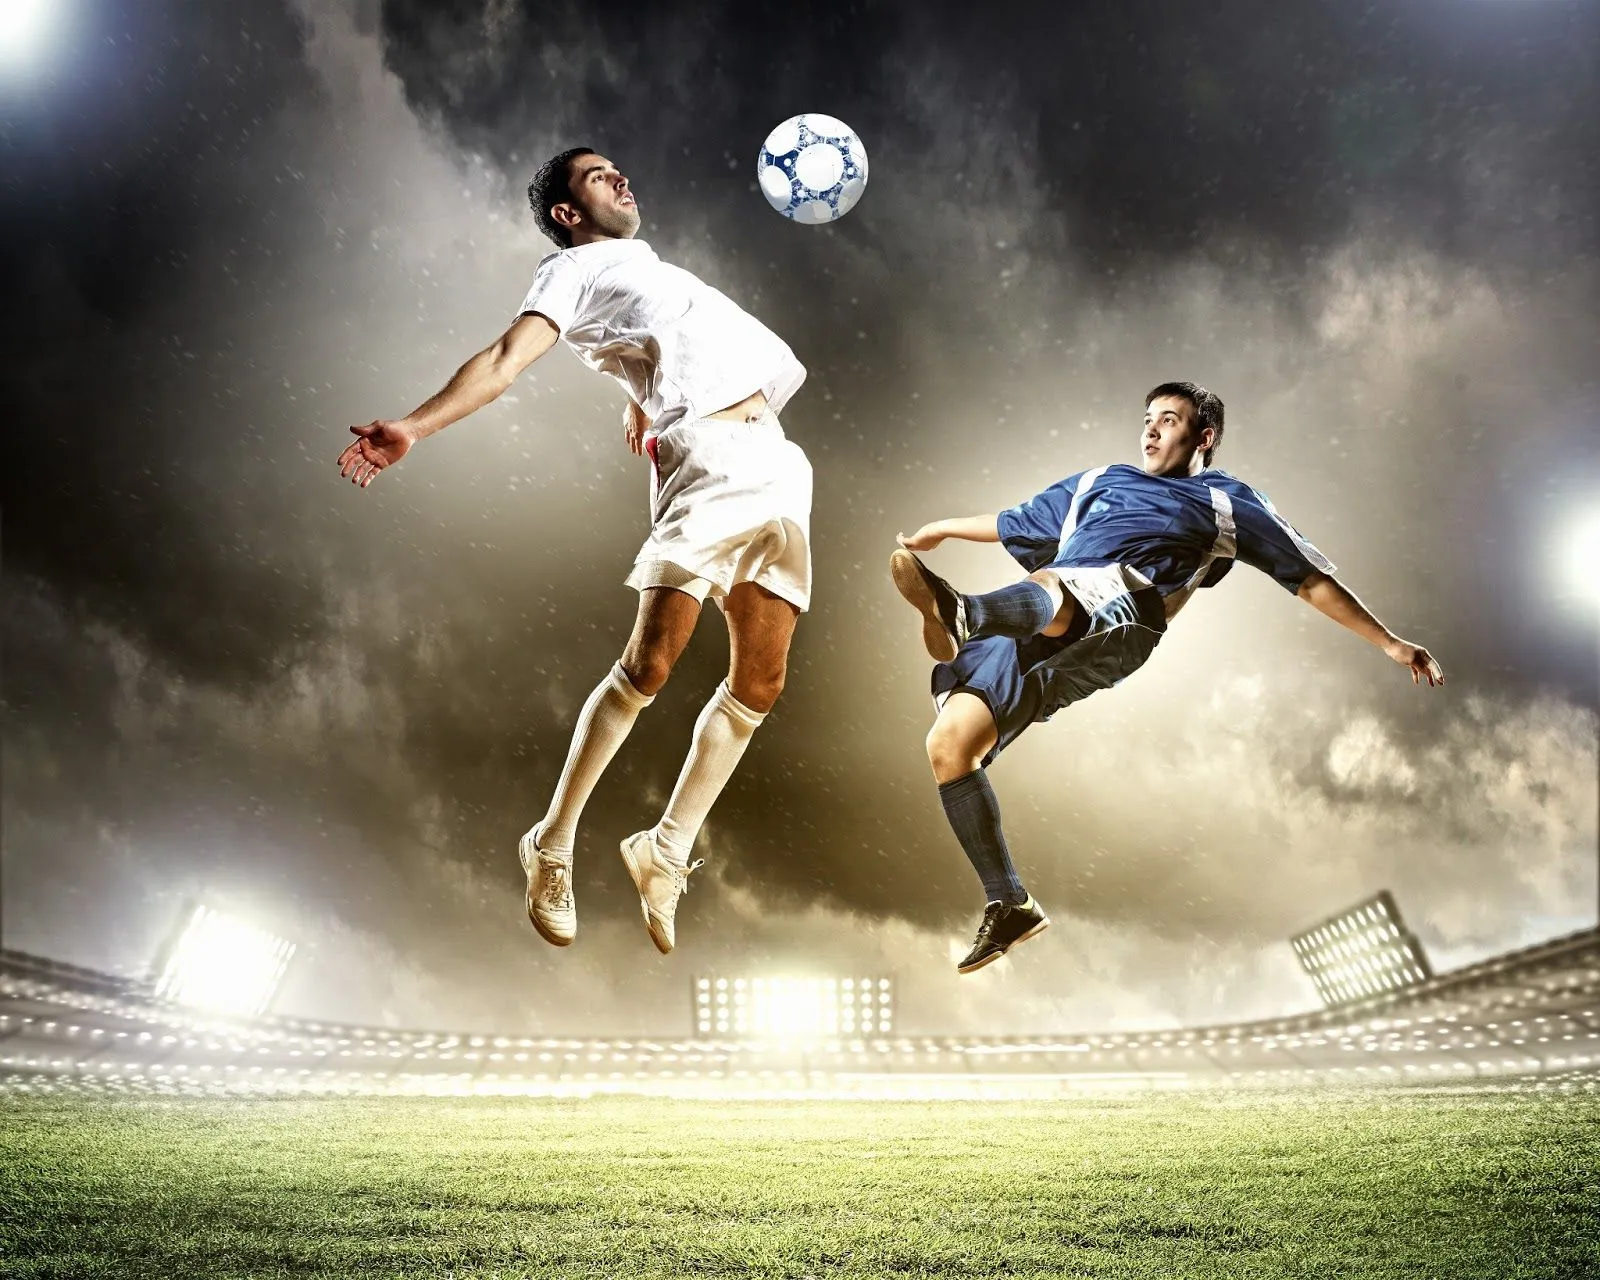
(1024, 681)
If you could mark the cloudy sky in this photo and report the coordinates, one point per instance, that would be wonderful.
(231, 231)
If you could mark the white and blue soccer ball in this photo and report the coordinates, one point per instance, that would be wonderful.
(812, 168)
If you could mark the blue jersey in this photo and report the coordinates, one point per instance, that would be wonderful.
(1180, 532)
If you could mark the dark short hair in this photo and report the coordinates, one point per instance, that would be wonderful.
(1207, 408)
(551, 186)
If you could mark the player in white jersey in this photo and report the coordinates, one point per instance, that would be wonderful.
(730, 508)
(1114, 553)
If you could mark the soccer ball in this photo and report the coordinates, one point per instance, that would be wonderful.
(812, 168)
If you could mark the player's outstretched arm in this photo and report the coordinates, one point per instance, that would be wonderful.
(1331, 597)
(967, 528)
(383, 443)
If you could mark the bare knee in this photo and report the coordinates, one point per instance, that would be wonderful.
(647, 668)
(758, 687)
(666, 621)
(760, 627)
(952, 753)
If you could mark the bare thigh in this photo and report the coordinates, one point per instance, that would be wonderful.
(1066, 606)
(665, 621)
(760, 628)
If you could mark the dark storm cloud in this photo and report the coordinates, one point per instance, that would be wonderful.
(230, 676)
(1150, 127)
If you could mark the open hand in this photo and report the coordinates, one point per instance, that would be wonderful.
(1422, 663)
(634, 425)
(378, 445)
(924, 539)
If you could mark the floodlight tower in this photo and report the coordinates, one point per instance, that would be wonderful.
(223, 964)
(778, 1008)
(1362, 952)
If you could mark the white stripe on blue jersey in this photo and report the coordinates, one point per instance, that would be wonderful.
(1322, 563)
(1223, 548)
(1082, 487)
(1181, 532)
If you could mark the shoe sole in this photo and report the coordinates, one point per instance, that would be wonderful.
(1032, 933)
(554, 939)
(663, 944)
(911, 581)
(539, 927)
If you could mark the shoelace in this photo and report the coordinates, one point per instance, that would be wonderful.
(557, 879)
(680, 877)
(990, 919)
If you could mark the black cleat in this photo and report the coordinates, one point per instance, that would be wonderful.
(1004, 925)
(944, 618)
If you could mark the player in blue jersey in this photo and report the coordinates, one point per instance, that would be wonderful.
(1113, 554)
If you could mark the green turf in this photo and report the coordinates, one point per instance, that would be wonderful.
(1366, 1186)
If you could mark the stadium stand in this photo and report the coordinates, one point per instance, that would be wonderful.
(1531, 1015)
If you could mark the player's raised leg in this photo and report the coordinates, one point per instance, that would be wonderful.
(760, 628)
(1036, 605)
(961, 737)
(662, 628)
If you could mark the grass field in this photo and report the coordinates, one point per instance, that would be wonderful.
(1368, 1185)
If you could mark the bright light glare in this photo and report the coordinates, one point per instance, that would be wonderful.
(22, 26)
(793, 1008)
(223, 964)
(1580, 558)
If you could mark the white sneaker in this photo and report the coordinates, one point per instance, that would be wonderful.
(660, 882)
(551, 906)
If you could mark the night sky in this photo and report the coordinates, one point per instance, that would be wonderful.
(230, 231)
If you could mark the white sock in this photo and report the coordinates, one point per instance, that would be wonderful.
(721, 734)
(602, 726)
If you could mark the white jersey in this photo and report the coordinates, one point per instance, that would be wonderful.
(682, 349)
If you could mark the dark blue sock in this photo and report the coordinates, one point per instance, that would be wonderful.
(1021, 610)
(974, 815)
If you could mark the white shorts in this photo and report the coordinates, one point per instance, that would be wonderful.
(730, 502)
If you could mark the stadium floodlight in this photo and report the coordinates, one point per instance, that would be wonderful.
(23, 24)
(783, 1008)
(1579, 547)
(222, 964)
(1363, 952)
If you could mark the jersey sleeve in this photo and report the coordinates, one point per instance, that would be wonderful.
(557, 291)
(1031, 531)
(1266, 541)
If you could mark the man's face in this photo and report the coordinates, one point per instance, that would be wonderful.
(1171, 442)
(601, 195)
